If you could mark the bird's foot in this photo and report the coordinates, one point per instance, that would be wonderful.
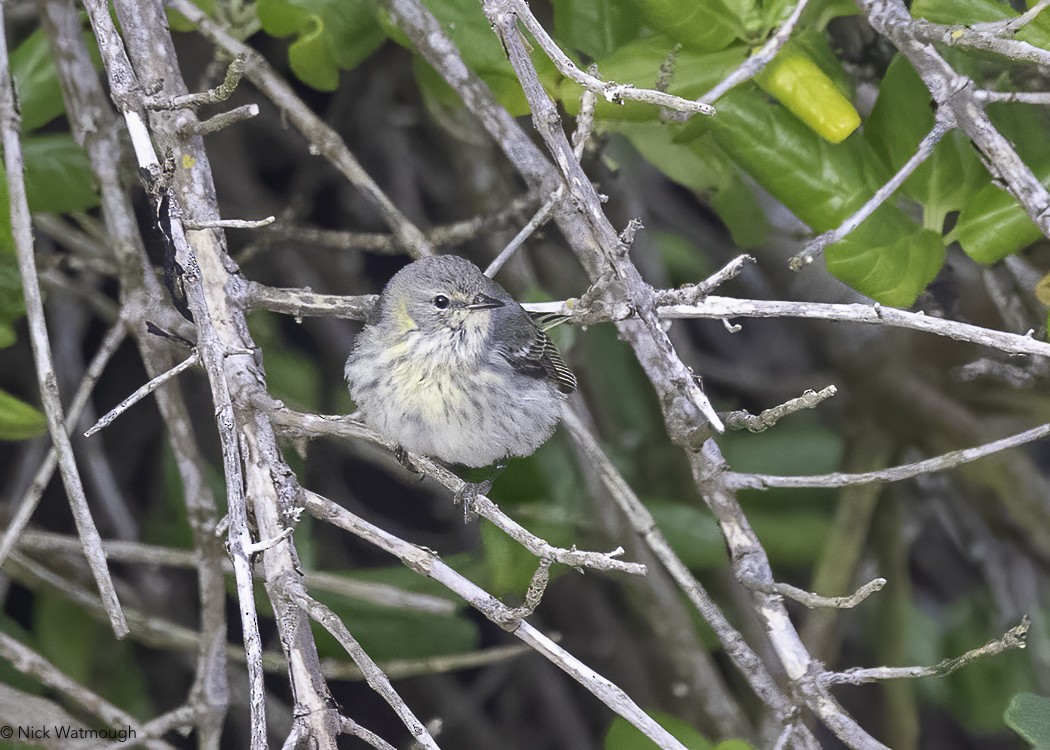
(468, 496)
(405, 460)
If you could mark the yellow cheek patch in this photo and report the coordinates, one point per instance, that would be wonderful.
(402, 319)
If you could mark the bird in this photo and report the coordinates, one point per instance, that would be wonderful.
(450, 366)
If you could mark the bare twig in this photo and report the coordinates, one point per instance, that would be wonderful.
(30, 663)
(610, 90)
(323, 139)
(373, 674)
(426, 562)
(895, 474)
(217, 95)
(1013, 638)
(813, 601)
(229, 223)
(741, 420)
(142, 392)
(225, 119)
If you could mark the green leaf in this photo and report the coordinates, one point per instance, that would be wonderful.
(19, 420)
(888, 257)
(901, 118)
(1029, 715)
(58, 175)
(36, 81)
(623, 735)
(894, 272)
(706, 26)
(701, 165)
(332, 35)
(594, 27)
(991, 224)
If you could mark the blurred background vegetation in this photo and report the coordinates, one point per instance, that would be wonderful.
(965, 552)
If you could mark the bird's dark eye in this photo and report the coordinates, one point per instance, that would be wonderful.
(441, 302)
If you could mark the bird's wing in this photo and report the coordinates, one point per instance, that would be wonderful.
(540, 358)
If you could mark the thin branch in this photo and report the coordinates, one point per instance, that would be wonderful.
(744, 658)
(944, 121)
(742, 420)
(30, 663)
(1013, 638)
(39, 341)
(351, 727)
(373, 674)
(876, 314)
(299, 424)
(217, 95)
(1023, 97)
(895, 474)
(427, 563)
(913, 38)
(225, 120)
(813, 601)
(141, 393)
(1012, 25)
(610, 90)
(228, 223)
(584, 125)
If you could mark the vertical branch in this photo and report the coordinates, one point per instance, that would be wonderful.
(23, 236)
(96, 127)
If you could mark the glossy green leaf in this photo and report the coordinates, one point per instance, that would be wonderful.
(1029, 715)
(705, 26)
(623, 735)
(639, 62)
(594, 27)
(19, 420)
(702, 166)
(992, 225)
(891, 271)
(36, 82)
(58, 174)
(332, 35)
(901, 118)
(888, 257)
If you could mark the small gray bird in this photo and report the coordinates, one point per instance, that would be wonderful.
(450, 366)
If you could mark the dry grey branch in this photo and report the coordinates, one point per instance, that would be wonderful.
(1013, 638)
(742, 420)
(141, 393)
(39, 340)
(894, 474)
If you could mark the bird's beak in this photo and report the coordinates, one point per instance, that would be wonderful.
(484, 302)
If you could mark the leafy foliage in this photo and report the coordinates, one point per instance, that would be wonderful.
(798, 147)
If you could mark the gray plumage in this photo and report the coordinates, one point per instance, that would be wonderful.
(449, 365)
